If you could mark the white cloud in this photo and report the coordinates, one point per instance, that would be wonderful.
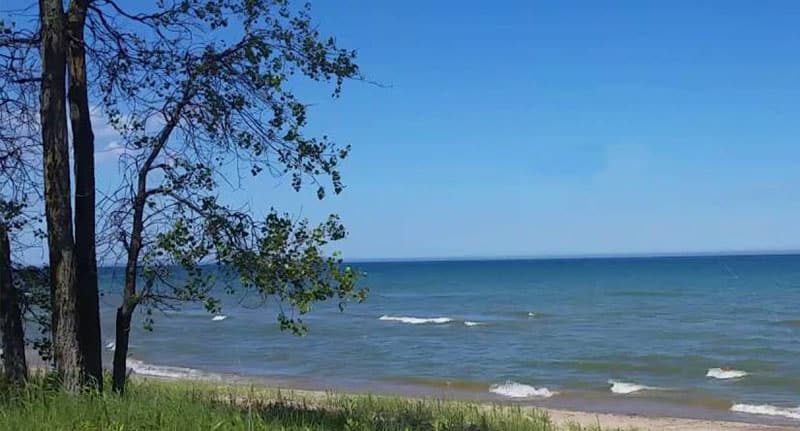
(111, 152)
(105, 137)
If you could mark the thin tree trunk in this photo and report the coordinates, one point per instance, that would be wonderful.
(83, 145)
(123, 330)
(130, 299)
(14, 365)
(66, 349)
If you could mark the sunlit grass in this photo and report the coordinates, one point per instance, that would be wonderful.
(161, 405)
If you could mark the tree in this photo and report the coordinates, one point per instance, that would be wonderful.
(197, 100)
(19, 181)
(60, 38)
(57, 192)
(88, 308)
(14, 364)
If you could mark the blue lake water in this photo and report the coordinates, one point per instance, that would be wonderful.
(699, 336)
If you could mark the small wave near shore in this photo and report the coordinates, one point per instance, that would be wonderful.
(145, 369)
(513, 389)
(623, 388)
(767, 410)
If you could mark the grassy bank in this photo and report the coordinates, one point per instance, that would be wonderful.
(162, 405)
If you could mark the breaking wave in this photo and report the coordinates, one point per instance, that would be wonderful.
(417, 320)
(618, 387)
(145, 369)
(767, 410)
(725, 373)
(518, 390)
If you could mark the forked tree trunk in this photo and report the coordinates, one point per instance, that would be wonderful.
(89, 335)
(15, 369)
(55, 155)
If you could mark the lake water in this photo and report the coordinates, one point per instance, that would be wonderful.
(714, 337)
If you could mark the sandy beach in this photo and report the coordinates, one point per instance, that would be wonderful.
(265, 390)
(613, 421)
(655, 423)
(245, 390)
(248, 389)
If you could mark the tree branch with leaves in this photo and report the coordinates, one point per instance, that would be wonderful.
(201, 90)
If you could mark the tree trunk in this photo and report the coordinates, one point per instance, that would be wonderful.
(123, 330)
(14, 365)
(55, 152)
(129, 297)
(89, 335)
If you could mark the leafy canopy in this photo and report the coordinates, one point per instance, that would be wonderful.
(201, 93)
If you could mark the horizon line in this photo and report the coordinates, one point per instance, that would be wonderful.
(577, 256)
(565, 256)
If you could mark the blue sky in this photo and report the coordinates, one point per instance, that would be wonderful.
(558, 128)
(529, 128)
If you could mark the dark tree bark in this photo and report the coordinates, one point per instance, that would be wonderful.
(14, 366)
(58, 208)
(83, 145)
(129, 298)
(122, 337)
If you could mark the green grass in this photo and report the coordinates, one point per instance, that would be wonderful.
(187, 406)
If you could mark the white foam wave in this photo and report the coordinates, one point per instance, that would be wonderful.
(513, 389)
(532, 314)
(725, 373)
(417, 320)
(145, 369)
(471, 323)
(111, 346)
(219, 317)
(767, 410)
(618, 387)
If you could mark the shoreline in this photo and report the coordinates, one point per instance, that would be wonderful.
(245, 388)
(640, 413)
(646, 404)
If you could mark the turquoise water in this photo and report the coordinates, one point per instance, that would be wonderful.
(630, 335)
